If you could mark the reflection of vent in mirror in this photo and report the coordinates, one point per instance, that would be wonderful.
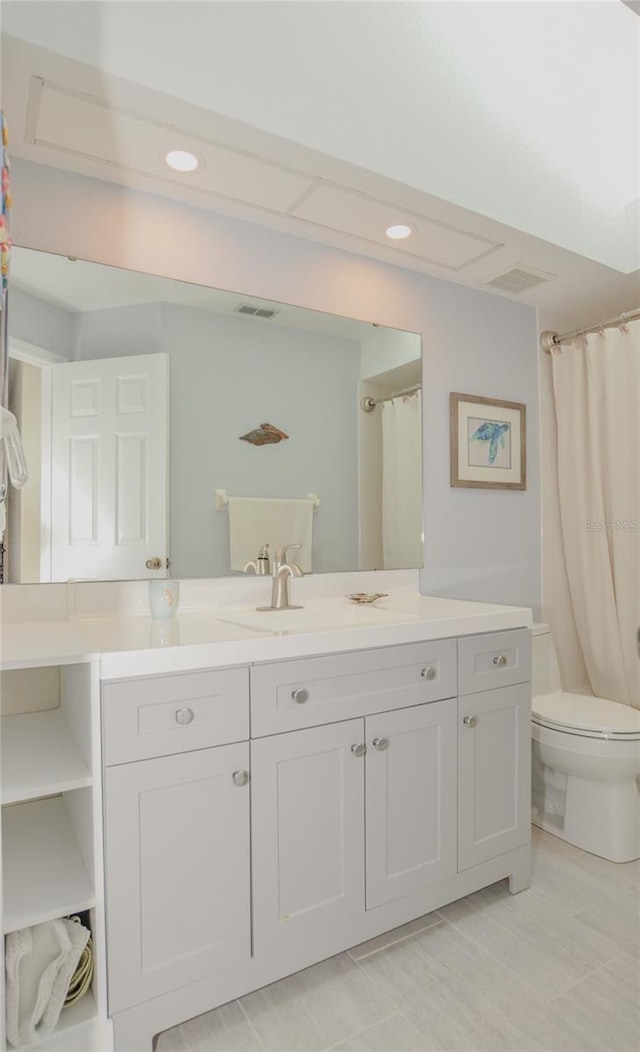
(520, 280)
(255, 312)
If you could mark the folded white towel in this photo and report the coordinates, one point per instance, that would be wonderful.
(254, 522)
(40, 962)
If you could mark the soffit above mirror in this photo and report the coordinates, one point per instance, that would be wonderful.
(258, 176)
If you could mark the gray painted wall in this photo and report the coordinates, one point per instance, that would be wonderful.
(35, 321)
(481, 545)
(228, 375)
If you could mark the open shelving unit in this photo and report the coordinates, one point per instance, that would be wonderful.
(51, 796)
(40, 757)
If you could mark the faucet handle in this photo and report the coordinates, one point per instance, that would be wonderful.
(281, 553)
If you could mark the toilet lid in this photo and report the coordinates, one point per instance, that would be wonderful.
(582, 714)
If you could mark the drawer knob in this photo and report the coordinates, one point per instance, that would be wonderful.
(500, 661)
(184, 716)
(429, 672)
(240, 777)
(470, 721)
(359, 749)
(381, 744)
(300, 695)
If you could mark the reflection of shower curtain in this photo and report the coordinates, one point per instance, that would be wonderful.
(402, 483)
(597, 396)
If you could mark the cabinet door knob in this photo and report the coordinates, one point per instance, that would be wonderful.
(470, 721)
(500, 661)
(300, 695)
(184, 716)
(359, 749)
(381, 744)
(240, 777)
(429, 672)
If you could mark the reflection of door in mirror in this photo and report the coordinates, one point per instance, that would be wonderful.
(99, 500)
(97, 506)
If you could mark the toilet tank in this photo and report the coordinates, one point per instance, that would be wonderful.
(545, 674)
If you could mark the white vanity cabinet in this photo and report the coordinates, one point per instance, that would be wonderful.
(411, 794)
(308, 832)
(260, 819)
(177, 832)
(324, 848)
(177, 843)
(494, 745)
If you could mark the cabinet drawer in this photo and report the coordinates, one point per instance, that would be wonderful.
(159, 715)
(497, 659)
(293, 694)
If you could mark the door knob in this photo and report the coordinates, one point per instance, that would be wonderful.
(381, 744)
(154, 564)
(359, 749)
(300, 695)
(500, 661)
(470, 721)
(240, 777)
(429, 672)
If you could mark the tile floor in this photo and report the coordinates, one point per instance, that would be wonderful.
(554, 968)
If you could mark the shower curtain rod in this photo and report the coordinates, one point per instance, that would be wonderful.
(369, 404)
(549, 340)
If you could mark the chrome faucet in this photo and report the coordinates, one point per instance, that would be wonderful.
(259, 566)
(281, 575)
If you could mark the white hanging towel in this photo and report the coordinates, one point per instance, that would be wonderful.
(254, 521)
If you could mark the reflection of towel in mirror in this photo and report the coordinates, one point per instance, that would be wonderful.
(254, 522)
(40, 962)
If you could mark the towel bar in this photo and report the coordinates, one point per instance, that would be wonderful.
(222, 499)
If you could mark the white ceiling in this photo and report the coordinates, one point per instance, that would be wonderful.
(506, 134)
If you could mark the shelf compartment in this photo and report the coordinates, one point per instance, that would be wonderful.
(74, 1030)
(44, 875)
(39, 757)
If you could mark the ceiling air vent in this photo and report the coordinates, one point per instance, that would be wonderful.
(520, 279)
(255, 312)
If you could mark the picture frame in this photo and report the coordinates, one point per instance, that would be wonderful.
(488, 442)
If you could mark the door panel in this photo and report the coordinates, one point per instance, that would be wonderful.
(308, 836)
(109, 467)
(494, 760)
(411, 788)
(177, 863)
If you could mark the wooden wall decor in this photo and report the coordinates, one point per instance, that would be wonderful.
(264, 435)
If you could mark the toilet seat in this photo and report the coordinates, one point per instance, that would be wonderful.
(589, 717)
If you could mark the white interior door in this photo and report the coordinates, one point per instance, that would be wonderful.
(109, 500)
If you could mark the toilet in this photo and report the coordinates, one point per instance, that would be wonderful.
(585, 763)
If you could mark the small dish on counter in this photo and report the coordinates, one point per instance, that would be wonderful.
(366, 597)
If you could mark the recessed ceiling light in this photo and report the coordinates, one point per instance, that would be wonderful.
(399, 231)
(182, 160)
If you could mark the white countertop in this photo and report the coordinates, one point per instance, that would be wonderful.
(137, 645)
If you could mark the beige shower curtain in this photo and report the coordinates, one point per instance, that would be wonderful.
(596, 382)
(402, 482)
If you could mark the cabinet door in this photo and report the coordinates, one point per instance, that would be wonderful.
(411, 789)
(494, 763)
(177, 868)
(308, 833)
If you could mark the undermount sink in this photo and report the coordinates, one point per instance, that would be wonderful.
(310, 619)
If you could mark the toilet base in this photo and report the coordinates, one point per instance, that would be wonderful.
(602, 818)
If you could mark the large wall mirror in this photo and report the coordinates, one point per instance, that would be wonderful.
(154, 416)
